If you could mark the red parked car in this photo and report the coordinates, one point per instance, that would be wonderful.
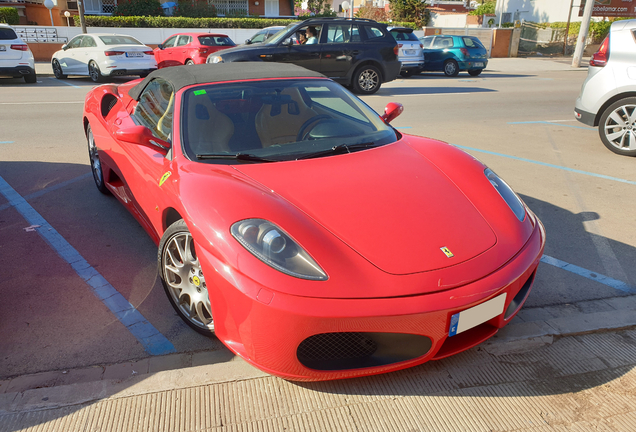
(294, 223)
(190, 48)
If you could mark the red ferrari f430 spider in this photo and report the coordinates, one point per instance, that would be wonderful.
(294, 223)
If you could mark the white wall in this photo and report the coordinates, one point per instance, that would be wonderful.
(539, 10)
(447, 20)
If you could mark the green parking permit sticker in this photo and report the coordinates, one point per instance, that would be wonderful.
(199, 92)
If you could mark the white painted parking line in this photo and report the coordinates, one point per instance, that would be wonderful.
(152, 340)
(64, 82)
(608, 281)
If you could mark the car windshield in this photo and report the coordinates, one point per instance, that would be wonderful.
(276, 120)
(404, 36)
(7, 34)
(119, 40)
(215, 41)
(280, 34)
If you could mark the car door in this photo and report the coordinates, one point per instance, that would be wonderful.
(307, 56)
(182, 50)
(67, 57)
(142, 167)
(341, 44)
(164, 56)
(438, 52)
(85, 53)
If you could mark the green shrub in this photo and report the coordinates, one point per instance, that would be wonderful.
(9, 15)
(138, 8)
(182, 22)
(195, 9)
(487, 8)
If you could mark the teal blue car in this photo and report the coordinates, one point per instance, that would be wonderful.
(452, 54)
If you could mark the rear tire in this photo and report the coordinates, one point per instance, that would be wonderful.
(31, 78)
(94, 72)
(451, 68)
(367, 80)
(189, 63)
(474, 72)
(617, 127)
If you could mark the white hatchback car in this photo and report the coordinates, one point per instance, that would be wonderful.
(16, 59)
(608, 95)
(103, 55)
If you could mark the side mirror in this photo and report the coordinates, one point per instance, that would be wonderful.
(391, 111)
(143, 136)
(248, 41)
(287, 42)
(64, 47)
(160, 46)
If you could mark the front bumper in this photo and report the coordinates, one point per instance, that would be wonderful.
(16, 71)
(269, 329)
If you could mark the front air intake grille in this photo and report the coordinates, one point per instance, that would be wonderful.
(354, 350)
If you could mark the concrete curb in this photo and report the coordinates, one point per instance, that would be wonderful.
(531, 329)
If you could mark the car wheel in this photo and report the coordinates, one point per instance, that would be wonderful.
(96, 166)
(451, 68)
(474, 72)
(367, 80)
(57, 70)
(94, 72)
(617, 127)
(189, 63)
(31, 78)
(182, 278)
(407, 73)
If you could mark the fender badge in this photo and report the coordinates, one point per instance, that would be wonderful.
(447, 252)
(164, 178)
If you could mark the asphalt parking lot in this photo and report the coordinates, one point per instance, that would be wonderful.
(517, 118)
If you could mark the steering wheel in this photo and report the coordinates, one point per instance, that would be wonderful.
(304, 130)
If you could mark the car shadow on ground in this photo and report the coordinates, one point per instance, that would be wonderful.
(464, 75)
(406, 91)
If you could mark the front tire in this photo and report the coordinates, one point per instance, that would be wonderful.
(182, 278)
(617, 127)
(96, 165)
(94, 72)
(57, 70)
(367, 80)
(474, 72)
(451, 68)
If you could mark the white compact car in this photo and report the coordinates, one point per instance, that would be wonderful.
(16, 59)
(608, 95)
(410, 51)
(103, 55)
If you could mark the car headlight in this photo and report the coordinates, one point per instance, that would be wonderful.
(506, 192)
(275, 248)
(215, 59)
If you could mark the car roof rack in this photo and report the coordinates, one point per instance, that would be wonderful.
(340, 19)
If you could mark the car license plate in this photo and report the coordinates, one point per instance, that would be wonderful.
(469, 318)
(3, 48)
(134, 54)
(409, 52)
(479, 64)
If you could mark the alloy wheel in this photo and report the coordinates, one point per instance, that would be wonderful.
(620, 128)
(368, 80)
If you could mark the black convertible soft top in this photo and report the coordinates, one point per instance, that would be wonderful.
(182, 76)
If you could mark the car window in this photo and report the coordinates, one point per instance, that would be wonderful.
(170, 42)
(183, 40)
(471, 42)
(280, 36)
(312, 29)
(404, 36)
(216, 41)
(155, 108)
(276, 119)
(442, 42)
(426, 41)
(88, 42)
(76, 42)
(342, 33)
(258, 37)
(7, 34)
(119, 40)
(373, 32)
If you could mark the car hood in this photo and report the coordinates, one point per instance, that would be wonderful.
(391, 205)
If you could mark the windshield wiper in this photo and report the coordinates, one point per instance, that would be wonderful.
(340, 148)
(237, 156)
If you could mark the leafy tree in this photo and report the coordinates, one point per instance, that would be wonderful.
(195, 9)
(410, 10)
(9, 15)
(315, 8)
(138, 8)
(487, 8)
(374, 13)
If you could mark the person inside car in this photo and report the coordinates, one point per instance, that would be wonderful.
(302, 38)
(311, 35)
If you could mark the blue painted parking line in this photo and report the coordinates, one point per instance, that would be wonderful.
(403, 127)
(551, 123)
(153, 342)
(616, 179)
(64, 82)
(608, 281)
(7, 142)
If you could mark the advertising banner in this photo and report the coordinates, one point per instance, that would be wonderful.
(611, 8)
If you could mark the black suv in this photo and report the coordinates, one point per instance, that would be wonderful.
(359, 53)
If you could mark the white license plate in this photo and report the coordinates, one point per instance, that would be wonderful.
(469, 318)
(409, 52)
(3, 48)
(134, 54)
(479, 64)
